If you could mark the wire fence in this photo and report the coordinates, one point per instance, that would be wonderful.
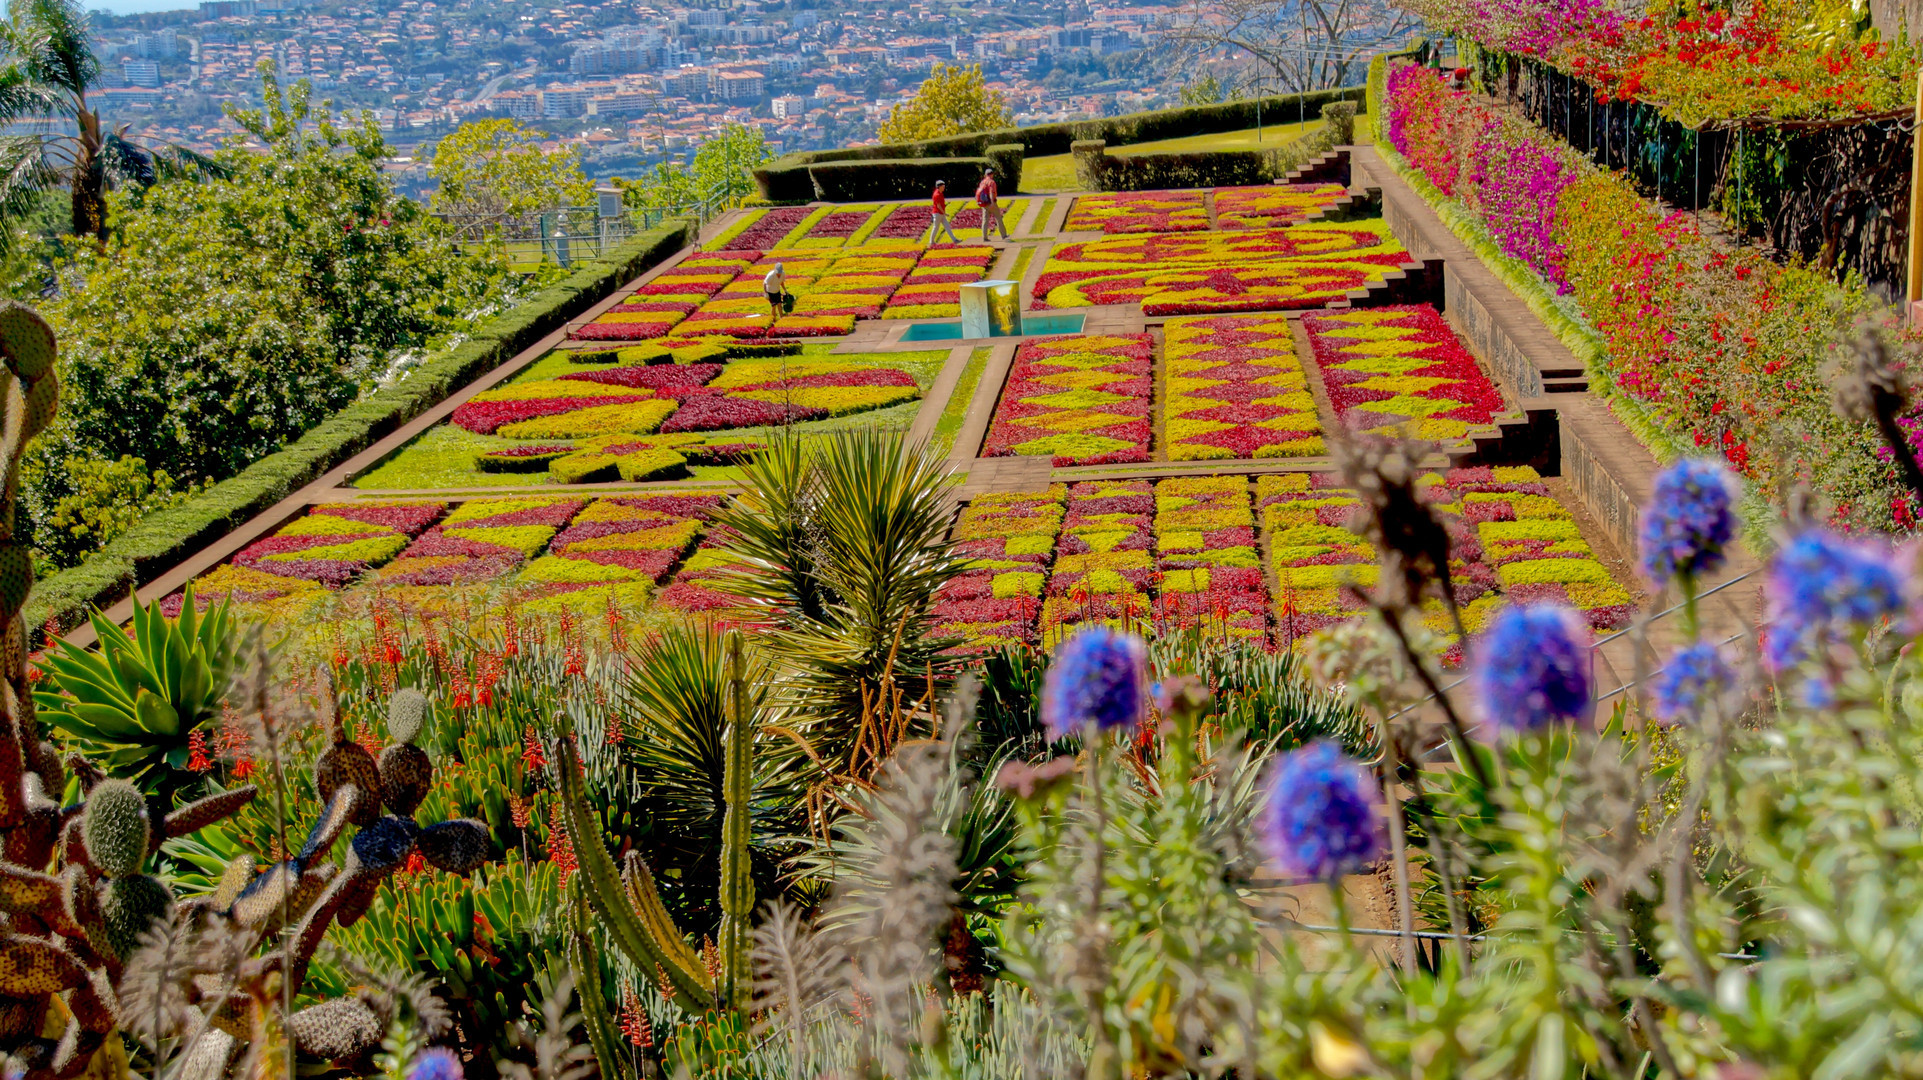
(564, 234)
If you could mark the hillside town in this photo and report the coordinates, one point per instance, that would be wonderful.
(629, 85)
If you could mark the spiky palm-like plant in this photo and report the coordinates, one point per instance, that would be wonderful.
(843, 546)
(50, 65)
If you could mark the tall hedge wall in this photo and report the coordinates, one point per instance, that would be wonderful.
(786, 178)
(1097, 170)
(160, 541)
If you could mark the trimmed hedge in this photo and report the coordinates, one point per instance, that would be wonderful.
(912, 178)
(786, 178)
(160, 541)
(1097, 170)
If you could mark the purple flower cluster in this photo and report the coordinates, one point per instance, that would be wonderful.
(435, 1063)
(1689, 520)
(1694, 677)
(1532, 668)
(1824, 588)
(1320, 819)
(1099, 676)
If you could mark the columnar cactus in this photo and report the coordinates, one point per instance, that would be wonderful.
(737, 875)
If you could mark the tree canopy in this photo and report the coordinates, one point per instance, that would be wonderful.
(952, 101)
(223, 319)
(497, 167)
(723, 163)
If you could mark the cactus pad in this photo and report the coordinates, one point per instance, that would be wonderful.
(26, 341)
(406, 773)
(30, 965)
(406, 714)
(347, 763)
(130, 905)
(201, 813)
(16, 578)
(23, 892)
(239, 872)
(328, 827)
(380, 847)
(262, 898)
(343, 1028)
(116, 828)
(456, 846)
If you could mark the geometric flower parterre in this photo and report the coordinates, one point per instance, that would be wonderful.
(1235, 389)
(1386, 368)
(1080, 400)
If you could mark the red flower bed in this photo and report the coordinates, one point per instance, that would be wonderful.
(625, 331)
(839, 225)
(643, 307)
(1349, 360)
(716, 413)
(768, 231)
(904, 223)
(668, 379)
(872, 377)
(409, 518)
(492, 563)
(483, 417)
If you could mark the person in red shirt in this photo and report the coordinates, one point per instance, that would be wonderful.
(989, 198)
(938, 215)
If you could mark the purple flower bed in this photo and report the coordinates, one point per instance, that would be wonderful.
(767, 232)
(905, 223)
(719, 413)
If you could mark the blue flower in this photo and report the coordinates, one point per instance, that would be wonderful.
(1099, 676)
(1689, 520)
(1320, 821)
(1823, 588)
(435, 1063)
(1693, 678)
(1532, 668)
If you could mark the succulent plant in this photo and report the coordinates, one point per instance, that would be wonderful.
(65, 936)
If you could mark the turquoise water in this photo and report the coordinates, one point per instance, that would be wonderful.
(1031, 325)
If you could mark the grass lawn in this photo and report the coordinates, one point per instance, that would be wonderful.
(1057, 172)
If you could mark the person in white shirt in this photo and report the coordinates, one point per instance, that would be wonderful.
(775, 284)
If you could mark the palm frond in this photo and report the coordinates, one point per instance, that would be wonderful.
(25, 174)
(121, 161)
(174, 162)
(52, 39)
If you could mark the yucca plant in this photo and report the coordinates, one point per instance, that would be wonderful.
(844, 544)
(140, 698)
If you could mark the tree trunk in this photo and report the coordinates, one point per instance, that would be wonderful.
(87, 182)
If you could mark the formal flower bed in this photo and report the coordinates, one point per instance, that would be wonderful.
(831, 288)
(616, 551)
(1235, 389)
(627, 417)
(489, 410)
(1724, 351)
(834, 229)
(1139, 212)
(1210, 568)
(1253, 270)
(932, 290)
(1401, 371)
(1271, 206)
(329, 547)
(767, 229)
(480, 540)
(969, 216)
(1011, 538)
(1104, 560)
(1080, 400)
(1781, 61)
(906, 222)
(628, 326)
(1510, 541)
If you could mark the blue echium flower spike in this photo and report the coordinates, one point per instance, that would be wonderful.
(1532, 668)
(1689, 521)
(1694, 677)
(1099, 676)
(1320, 820)
(435, 1063)
(1823, 588)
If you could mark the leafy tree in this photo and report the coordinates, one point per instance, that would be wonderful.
(723, 164)
(952, 101)
(49, 66)
(222, 320)
(489, 167)
(1207, 90)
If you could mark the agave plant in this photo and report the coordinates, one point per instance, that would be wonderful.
(142, 696)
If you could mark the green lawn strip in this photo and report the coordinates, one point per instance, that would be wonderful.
(952, 417)
(443, 456)
(1022, 259)
(1040, 223)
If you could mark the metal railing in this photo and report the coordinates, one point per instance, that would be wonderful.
(563, 234)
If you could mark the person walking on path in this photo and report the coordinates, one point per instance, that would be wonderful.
(775, 285)
(938, 215)
(989, 198)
